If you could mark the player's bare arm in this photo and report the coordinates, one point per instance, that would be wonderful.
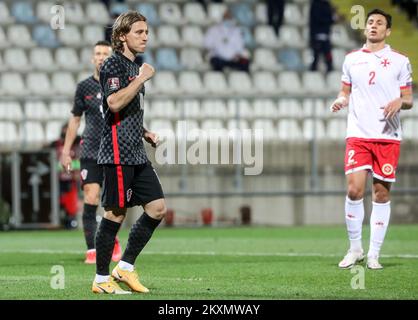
(404, 102)
(70, 136)
(342, 99)
(119, 100)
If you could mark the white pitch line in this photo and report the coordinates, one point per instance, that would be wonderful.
(213, 253)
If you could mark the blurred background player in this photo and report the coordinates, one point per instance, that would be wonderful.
(130, 180)
(377, 84)
(88, 101)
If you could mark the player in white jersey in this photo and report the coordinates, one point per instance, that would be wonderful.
(376, 85)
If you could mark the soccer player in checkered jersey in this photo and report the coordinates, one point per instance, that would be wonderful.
(129, 178)
(376, 85)
(88, 101)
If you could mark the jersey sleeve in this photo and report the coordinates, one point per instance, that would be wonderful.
(345, 78)
(79, 106)
(405, 76)
(112, 78)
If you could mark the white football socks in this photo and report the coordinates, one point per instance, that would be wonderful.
(379, 222)
(101, 279)
(125, 266)
(354, 215)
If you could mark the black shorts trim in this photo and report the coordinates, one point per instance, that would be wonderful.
(90, 172)
(128, 186)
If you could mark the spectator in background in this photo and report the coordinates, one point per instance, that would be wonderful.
(321, 18)
(204, 3)
(275, 13)
(225, 43)
(410, 7)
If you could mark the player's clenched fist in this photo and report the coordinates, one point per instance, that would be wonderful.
(338, 104)
(146, 71)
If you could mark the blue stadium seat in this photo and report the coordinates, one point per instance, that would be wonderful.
(248, 38)
(167, 59)
(150, 12)
(148, 57)
(291, 59)
(244, 14)
(118, 8)
(23, 12)
(45, 36)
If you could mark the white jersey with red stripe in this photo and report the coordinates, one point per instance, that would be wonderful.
(376, 78)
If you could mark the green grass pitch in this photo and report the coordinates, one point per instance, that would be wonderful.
(216, 263)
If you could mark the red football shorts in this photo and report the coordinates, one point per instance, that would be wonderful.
(380, 157)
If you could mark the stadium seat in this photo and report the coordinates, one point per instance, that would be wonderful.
(92, 34)
(240, 82)
(23, 12)
(340, 37)
(170, 13)
(265, 83)
(291, 37)
(153, 41)
(67, 59)
(159, 124)
(35, 110)
(85, 57)
(190, 82)
(267, 125)
(314, 107)
(192, 36)
(189, 108)
(290, 83)
(293, 16)
(313, 83)
(338, 57)
(41, 59)
(60, 110)
(166, 59)
(32, 134)
(11, 110)
(163, 109)
(265, 59)
(249, 41)
(243, 13)
(289, 130)
(169, 36)
(266, 37)
(117, 8)
(45, 36)
(409, 129)
(165, 82)
(309, 126)
(265, 108)
(334, 81)
(3, 67)
(53, 130)
(43, 10)
(149, 11)
(20, 36)
(5, 17)
(191, 59)
(216, 11)
(215, 82)
(15, 59)
(148, 57)
(194, 13)
(290, 59)
(13, 84)
(83, 75)
(240, 108)
(63, 84)
(38, 84)
(213, 108)
(70, 36)
(97, 13)
(4, 42)
(9, 136)
(289, 108)
(261, 13)
(336, 129)
(74, 13)
(210, 124)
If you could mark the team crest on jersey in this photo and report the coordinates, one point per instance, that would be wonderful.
(84, 173)
(385, 62)
(129, 195)
(113, 83)
(387, 169)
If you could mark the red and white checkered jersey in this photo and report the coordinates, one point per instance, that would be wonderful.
(376, 78)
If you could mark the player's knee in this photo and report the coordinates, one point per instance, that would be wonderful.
(159, 211)
(91, 198)
(381, 197)
(355, 193)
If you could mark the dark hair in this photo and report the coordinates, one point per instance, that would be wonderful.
(103, 43)
(381, 12)
(123, 25)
